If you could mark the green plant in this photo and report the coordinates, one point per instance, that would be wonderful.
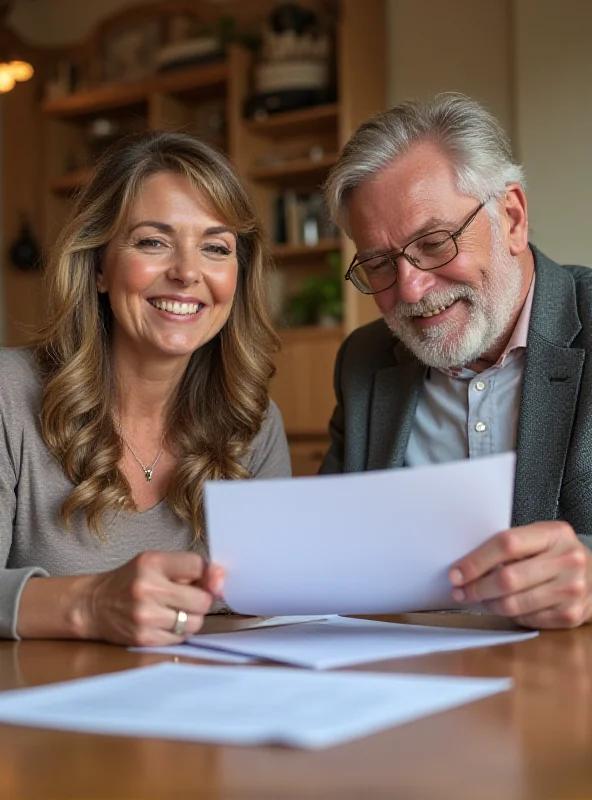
(319, 299)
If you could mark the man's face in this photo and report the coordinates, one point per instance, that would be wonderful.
(452, 315)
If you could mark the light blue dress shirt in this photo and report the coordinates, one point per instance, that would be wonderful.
(465, 414)
(469, 415)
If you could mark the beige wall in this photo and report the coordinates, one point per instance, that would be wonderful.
(530, 62)
(554, 122)
(452, 45)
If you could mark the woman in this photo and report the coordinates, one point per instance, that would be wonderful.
(150, 378)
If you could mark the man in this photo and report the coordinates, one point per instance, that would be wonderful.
(491, 351)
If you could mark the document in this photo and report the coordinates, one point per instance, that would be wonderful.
(371, 543)
(339, 642)
(190, 649)
(240, 705)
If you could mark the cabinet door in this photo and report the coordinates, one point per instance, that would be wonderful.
(303, 385)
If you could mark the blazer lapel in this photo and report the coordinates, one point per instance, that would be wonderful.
(549, 394)
(394, 400)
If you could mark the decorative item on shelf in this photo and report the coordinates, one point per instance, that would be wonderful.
(302, 219)
(294, 66)
(14, 68)
(24, 252)
(101, 133)
(197, 50)
(320, 299)
(128, 51)
(190, 42)
(64, 81)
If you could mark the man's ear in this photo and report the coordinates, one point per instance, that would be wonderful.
(515, 216)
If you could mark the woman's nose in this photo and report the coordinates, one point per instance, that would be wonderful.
(187, 266)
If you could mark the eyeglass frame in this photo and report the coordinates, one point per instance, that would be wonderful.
(395, 255)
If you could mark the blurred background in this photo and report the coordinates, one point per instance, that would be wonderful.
(280, 87)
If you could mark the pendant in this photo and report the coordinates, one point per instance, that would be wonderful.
(147, 473)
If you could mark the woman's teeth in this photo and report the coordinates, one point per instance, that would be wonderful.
(174, 307)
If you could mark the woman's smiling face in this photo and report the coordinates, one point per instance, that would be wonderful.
(170, 273)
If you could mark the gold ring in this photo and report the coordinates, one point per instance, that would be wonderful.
(180, 623)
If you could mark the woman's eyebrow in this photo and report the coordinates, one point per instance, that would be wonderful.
(218, 229)
(165, 228)
(151, 223)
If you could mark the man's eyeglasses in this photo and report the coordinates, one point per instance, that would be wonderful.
(430, 251)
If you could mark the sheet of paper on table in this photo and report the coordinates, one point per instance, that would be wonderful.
(240, 705)
(372, 543)
(340, 642)
(190, 649)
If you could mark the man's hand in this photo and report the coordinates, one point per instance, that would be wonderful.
(540, 575)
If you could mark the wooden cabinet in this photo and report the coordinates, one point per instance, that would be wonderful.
(285, 151)
(303, 385)
(308, 455)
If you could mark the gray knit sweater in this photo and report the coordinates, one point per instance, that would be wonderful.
(33, 541)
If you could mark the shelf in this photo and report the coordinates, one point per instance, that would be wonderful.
(295, 168)
(71, 181)
(290, 123)
(292, 251)
(130, 93)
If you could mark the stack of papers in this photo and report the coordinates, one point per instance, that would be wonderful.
(340, 642)
(240, 705)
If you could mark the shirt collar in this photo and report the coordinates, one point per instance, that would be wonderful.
(519, 336)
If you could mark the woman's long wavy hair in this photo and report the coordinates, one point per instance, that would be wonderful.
(222, 398)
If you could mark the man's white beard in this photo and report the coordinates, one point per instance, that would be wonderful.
(449, 343)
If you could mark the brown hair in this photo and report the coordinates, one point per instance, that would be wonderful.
(222, 398)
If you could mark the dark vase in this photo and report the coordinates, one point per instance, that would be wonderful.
(24, 251)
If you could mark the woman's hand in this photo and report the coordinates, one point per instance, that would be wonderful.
(137, 603)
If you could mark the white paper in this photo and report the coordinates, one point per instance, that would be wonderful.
(340, 642)
(240, 705)
(191, 649)
(372, 543)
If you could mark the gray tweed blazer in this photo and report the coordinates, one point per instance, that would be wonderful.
(377, 384)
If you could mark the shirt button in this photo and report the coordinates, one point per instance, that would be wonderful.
(479, 386)
(480, 427)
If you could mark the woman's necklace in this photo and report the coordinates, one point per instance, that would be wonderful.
(147, 470)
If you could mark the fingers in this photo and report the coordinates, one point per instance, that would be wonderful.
(213, 580)
(509, 579)
(511, 545)
(561, 603)
(138, 602)
(190, 599)
(541, 576)
(180, 567)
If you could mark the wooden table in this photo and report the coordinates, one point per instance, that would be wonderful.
(532, 742)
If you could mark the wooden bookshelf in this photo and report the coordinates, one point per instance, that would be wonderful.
(299, 167)
(290, 252)
(131, 93)
(293, 123)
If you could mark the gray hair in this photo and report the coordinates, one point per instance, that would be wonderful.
(461, 128)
